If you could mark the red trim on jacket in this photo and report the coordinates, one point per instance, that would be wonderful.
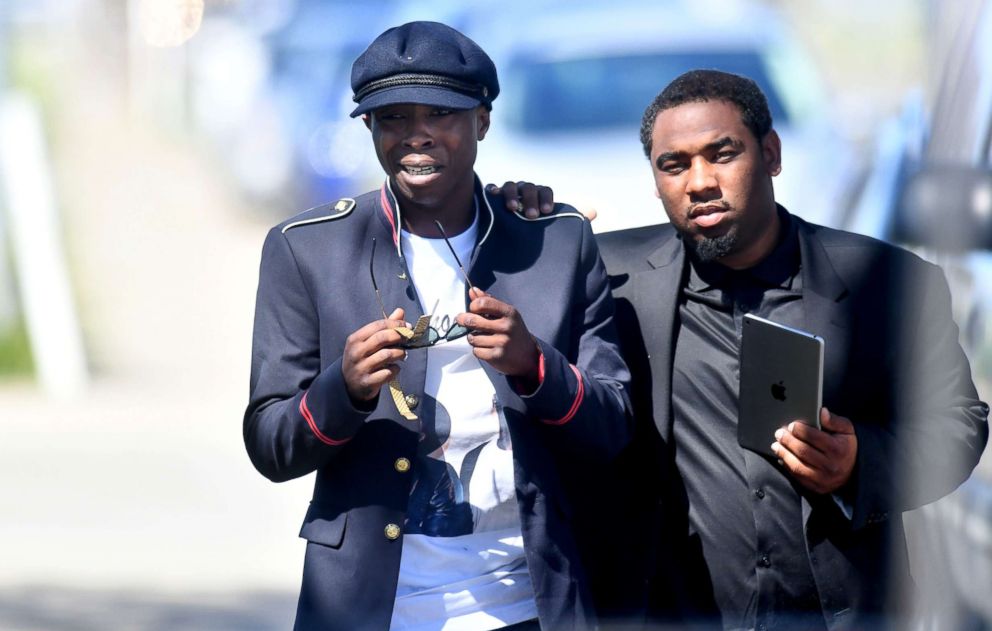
(579, 394)
(523, 387)
(387, 209)
(305, 411)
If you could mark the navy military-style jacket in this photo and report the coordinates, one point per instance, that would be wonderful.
(315, 290)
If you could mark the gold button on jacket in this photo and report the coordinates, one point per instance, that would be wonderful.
(392, 531)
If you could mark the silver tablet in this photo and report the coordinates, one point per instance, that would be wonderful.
(781, 381)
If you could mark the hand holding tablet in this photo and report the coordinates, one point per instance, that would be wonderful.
(781, 413)
(781, 381)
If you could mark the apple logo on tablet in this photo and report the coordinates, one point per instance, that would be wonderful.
(778, 391)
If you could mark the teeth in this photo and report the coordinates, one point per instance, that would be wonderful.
(420, 170)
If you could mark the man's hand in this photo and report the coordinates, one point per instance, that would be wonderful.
(500, 337)
(531, 197)
(525, 196)
(822, 461)
(371, 359)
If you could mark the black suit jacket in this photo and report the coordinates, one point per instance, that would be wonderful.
(892, 364)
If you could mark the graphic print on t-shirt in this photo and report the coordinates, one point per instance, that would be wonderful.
(463, 564)
(464, 466)
(463, 479)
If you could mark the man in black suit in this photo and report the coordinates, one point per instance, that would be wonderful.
(813, 538)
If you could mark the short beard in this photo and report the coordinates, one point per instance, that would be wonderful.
(711, 249)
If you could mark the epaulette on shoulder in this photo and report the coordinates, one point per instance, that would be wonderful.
(555, 214)
(325, 212)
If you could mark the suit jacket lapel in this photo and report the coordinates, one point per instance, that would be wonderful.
(827, 315)
(659, 286)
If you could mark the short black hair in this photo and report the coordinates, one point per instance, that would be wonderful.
(710, 85)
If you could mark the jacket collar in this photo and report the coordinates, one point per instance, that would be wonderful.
(670, 252)
(391, 214)
(818, 272)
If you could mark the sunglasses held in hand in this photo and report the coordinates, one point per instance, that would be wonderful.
(422, 334)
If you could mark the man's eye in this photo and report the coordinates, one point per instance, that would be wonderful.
(672, 168)
(440, 112)
(724, 156)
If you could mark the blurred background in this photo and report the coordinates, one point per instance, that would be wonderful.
(147, 145)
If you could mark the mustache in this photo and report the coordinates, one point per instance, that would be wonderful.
(695, 207)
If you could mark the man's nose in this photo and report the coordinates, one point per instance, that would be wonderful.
(702, 178)
(419, 133)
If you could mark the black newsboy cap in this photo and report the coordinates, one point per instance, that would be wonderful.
(426, 63)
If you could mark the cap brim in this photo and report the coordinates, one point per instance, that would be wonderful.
(417, 95)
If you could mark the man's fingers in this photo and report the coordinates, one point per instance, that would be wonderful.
(545, 199)
(834, 423)
(475, 292)
(479, 324)
(384, 357)
(384, 338)
(488, 306)
(487, 340)
(370, 329)
(511, 196)
(376, 380)
(804, 451)
(485, 313)
(810, 435)
(536, 200)
(794, 465)
(528, 197)
(531, 199)
(821, 461)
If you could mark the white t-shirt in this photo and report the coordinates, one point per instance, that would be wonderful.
(463, 564)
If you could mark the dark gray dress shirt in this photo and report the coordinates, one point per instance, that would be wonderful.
(743, 507)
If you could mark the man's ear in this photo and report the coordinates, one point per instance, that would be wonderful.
(771, 152)
(483, 122)
(368, 121)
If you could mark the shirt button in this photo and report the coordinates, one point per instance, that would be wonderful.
(402, 465)
(758, 493)
(412, 401)
(392, 532)
(765, 561)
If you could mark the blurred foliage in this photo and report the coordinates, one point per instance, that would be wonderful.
(15, 351)
(31, 68)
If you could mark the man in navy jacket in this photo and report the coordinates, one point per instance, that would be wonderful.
(441, 408)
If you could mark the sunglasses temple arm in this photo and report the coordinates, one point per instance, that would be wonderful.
(444, 236)
(382, 306)
(375, 286)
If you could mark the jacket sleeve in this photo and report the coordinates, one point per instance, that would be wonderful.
(298, 416)
(941, 427)
(586, 403)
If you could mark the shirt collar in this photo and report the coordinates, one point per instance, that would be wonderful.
(779, 269)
